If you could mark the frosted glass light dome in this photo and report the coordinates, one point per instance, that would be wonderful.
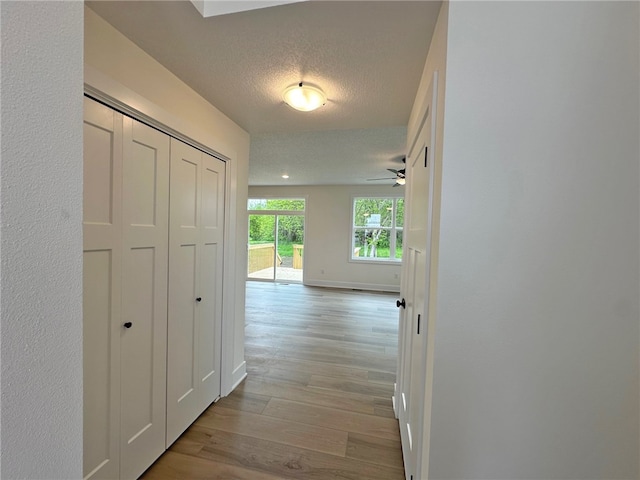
(304, 97)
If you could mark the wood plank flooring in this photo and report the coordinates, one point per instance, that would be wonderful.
(317, 400)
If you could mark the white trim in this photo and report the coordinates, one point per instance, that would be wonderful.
(374, 287)
(238, 375)
(229, 280)
(276, 212)
(396, 262)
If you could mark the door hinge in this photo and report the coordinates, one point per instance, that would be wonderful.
(426, 157)
(418, 324)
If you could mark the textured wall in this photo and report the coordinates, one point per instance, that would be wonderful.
(41, 240)
(536, 344)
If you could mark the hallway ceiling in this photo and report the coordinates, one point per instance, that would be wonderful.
(367, 56)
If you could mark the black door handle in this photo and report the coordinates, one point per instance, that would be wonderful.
(198, 299)
(401, 304)
(127, 325)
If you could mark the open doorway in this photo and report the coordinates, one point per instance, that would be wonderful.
(276, 240)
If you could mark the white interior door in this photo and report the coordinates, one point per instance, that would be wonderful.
(195, 285)
(144, 297)
(102, 259)
(412, 398)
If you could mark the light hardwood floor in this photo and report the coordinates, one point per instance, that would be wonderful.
(317, 400)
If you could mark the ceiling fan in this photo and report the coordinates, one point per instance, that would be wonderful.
(399, 176)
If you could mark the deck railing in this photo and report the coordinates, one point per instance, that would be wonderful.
(261, 256)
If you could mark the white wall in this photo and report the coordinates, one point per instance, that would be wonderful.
(142, 83)
(41, 240)
(536, 345)
(328, 237)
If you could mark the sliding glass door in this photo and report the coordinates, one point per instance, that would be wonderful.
(276, 240)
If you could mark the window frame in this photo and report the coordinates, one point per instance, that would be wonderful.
(393, 231)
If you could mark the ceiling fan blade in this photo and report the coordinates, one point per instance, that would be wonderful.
(386, 178)
(392, 170)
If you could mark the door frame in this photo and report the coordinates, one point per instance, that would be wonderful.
(429, 107)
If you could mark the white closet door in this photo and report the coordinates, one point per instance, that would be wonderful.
(144, 297)
(184, 262)
(195, 285)
(101, 283)
(210, 318)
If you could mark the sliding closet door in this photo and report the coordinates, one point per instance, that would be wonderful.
(145, 190)
(101, 289)
(195, 285)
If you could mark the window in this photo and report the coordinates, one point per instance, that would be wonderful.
(377, 229)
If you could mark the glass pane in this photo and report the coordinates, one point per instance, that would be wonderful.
(400, 212)
(290, 204)
(261, 246)
(371, 243)
(290, 248)
(373, 212)
(398, 244)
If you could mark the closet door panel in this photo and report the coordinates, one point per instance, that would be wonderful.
(209, 336)
(101, 142)
(144, 300)
(185, 185)
(211, 279)
(101, 289)
(184, 271)
(183, 332)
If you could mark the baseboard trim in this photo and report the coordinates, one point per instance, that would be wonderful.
(238, 375)
(375, 287)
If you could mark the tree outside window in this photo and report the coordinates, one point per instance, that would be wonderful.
(377, 228)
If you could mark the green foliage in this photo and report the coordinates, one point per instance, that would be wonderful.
(261, 228)
(283, 204)
(375, 218)
(400, 212)
(290, 227)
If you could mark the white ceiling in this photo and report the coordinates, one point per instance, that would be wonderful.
(367, 56)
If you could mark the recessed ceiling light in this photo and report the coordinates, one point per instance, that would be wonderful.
(304, 97)
(285, 176)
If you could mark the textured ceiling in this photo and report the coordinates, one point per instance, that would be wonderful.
(329, 154)
(366, 55)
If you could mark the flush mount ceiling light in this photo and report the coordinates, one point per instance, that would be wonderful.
(304, 97)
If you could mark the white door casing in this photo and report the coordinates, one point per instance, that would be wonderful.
(412, 400)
